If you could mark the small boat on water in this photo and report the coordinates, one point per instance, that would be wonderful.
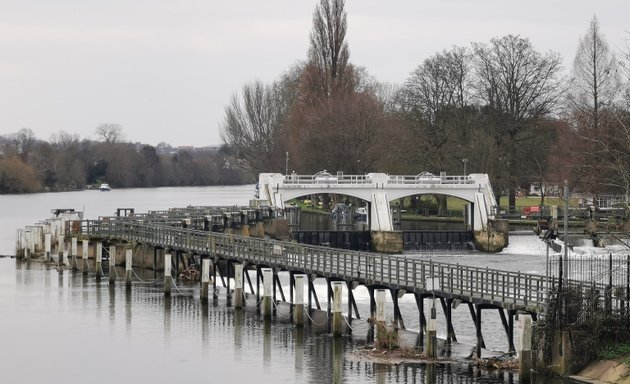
(104, 187)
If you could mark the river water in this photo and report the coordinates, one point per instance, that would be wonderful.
(61, 327)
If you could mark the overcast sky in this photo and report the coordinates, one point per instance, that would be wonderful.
(164, 70)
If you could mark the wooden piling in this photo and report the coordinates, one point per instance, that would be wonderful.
(99, 260)
(267, 288)
(112, 264)
(238, 286)
(128, 267)
(167, 274)
(205, 279)
(336, 310)
(298, 311)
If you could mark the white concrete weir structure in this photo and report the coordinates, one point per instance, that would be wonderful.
(379, 189)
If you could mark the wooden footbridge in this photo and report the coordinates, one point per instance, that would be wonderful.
(177, 238)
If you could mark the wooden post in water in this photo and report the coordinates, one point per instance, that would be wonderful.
(267, 288)
(60, 249)
(205, 279)
(84, 255)
(167, 274)
(336, 308)
(112, 264)
(73, 251)
(238, 286)
(380, 326)
(298, 311)
(99, 259)
(128, 267)
(64, 257)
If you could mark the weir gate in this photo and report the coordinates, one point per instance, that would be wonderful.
(378, 191)
(160, 242)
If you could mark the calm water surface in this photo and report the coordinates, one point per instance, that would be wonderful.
(61, 327)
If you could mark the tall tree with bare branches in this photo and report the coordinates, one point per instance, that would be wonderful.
(519, 88)
(328, 53)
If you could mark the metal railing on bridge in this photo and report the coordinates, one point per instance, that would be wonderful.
(340, 178)
(512, 290)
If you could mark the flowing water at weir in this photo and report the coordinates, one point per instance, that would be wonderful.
(59, 326)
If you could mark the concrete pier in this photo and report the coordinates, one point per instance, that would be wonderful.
(298, 309)
(167, 274)
(85, 245)
(267, 288)
(128, 267)
(337, 320)
(432, 333)
(99, 260)
(205, 278)
(238, 286)
(47, 247)
(380, 326)
(525, 347)
(112, 264)
(73, 254)
(60, 249)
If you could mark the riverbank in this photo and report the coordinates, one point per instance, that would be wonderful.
(605, 371)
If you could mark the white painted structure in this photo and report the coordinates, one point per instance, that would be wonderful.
(379, 189)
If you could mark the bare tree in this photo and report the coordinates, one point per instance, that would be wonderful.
(110, 133)
(328, 53)
(254, 126)
(518, 87)
(20, 144)
(595, 84)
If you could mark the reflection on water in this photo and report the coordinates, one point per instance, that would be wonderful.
(74, 330)
(165, 339)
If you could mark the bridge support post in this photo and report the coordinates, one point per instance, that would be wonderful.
(298, 310)
(99, 259)
(432, 333)
(447, 308)
(60, 249)
(213, 268)
(112, 265)
(86, 250)
(478, 329)
(205, 279)
(167, 274)
(238, 286)
(422, 321)
(128, 267)
(73, 251)
(525, 346)
(47, 247)
(267, 287)
(336, 326)
(379, 324)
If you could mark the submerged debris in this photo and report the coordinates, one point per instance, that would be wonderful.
(190, 274)
(506, 361)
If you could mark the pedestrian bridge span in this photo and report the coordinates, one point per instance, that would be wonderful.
(379, 189)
